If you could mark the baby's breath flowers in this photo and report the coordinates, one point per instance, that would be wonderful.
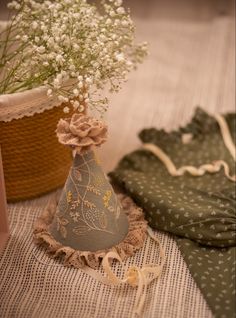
(72, 47)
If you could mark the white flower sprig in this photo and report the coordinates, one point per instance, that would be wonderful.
(70, 46)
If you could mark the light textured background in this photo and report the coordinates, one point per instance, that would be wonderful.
(191, 62)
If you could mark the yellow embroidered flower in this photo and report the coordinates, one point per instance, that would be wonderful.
(106, 198)
(69, 196)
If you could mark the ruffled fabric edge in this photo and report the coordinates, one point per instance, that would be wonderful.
(201, 123)
(133, 241)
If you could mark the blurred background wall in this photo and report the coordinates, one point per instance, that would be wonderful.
(191, 62)
(180, 9)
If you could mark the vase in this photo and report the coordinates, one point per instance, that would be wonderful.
(34, 162)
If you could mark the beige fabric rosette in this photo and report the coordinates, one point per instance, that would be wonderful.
(81, 132)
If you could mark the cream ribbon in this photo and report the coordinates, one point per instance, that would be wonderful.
(225, 132)
(135, 276)
(199, 171)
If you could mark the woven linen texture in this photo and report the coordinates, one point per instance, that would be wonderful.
(31, 289)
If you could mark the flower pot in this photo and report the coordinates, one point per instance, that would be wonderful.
(34, 162)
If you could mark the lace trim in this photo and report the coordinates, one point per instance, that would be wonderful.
(26, 104)
(79, 259)
(199, 171)
(201, 124)
(225, 132)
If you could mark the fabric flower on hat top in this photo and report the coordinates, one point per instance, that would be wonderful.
(81, 132)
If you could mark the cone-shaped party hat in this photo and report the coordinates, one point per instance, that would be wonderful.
(89, 216)
(88, 220)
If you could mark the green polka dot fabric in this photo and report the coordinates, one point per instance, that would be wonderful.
(199, 211)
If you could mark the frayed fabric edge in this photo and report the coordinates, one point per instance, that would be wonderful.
(133, 241)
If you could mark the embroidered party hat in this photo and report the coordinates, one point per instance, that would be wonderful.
(88, 220)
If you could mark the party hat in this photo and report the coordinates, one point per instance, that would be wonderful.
(88, 220)
(89, 216)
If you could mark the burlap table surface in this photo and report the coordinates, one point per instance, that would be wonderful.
(191, 63)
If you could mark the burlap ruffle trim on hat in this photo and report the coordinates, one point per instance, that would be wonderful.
(133, 241)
